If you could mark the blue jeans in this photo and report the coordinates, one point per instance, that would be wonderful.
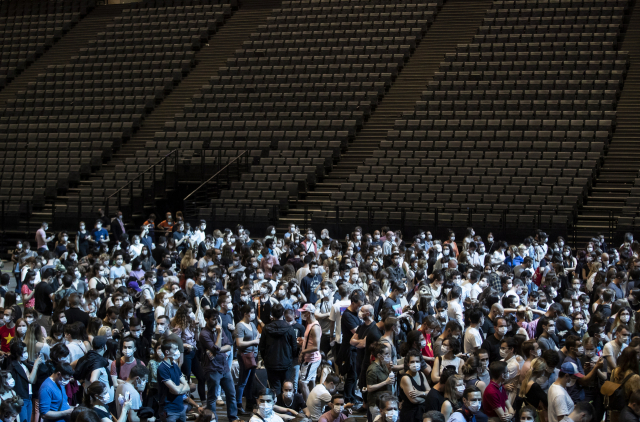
(25, 413)
(172, 416)
(294, 375)
(245, 381)
(216, 380)
(229, 364)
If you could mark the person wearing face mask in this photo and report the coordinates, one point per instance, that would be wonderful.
(7, 331)
(309, 244)
(54, 404)
(560, 403)
(447, 357)
(247, 338)
(172, 385)
(24, 375)
(289, 402)
(614, 348)
(321, 396)
(546, 340)
(471, 406)
(475, 370)
(99, 235)
(75, 312)
(120, 368)
(118, 270)
(495, 401)
(379, 377)
(337, 410)
(309, 284)
(575, 351)
(453, 390)
(323, 313)
(493, 342)
(98, 397)
(265, 413)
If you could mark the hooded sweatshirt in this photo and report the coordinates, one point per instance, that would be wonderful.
(277, 345)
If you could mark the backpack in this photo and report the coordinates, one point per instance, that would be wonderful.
(614, 396)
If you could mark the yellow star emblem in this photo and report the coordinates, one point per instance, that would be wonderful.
(8, 338)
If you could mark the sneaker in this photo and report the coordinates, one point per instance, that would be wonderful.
(220, 402)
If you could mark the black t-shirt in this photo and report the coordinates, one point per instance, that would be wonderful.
(44, 304)
(350, 321)
(492, 345)
(434, 400)
(297, 405)
(487, 327)
(362, 334)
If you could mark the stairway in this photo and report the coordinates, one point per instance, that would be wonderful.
(67, 47)
(622, 162)
(457, 22)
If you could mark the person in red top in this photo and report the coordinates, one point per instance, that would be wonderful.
(429, 325)
(495, 401)
(7, 331)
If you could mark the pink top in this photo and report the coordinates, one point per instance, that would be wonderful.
(25, 291)
(41, 237)
(308, 342)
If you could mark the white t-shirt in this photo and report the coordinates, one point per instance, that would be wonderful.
(454, 312)
(560, 403)
(272, 418)
(475, 291)
(336, 316)
(611, 349)
(318, 398)
(472, 339)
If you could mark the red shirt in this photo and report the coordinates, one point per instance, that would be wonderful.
(428, 349)
(6, 335)
(494, 396)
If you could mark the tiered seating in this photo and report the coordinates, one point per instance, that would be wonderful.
(514, 124)
(630, 218)
(303, 84)
(78, 113)
(29, 28)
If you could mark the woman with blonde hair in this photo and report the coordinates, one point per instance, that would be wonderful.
(531, 394)
(471, 371)
(453, 389)
(594, 269)
(188, 260)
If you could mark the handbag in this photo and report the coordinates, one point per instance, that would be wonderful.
(248, 358)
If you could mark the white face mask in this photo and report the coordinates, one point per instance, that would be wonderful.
(338, 408)
(11, 382)
(571, 382)
(625, 318)
(423, 344)
(414, 367)
(63, 320)
(475, 405)
(460, 389)
(444, 350)
(503, 354)
(64, 382)
(391, 416)
(128, 353)
(176, 355)
(21, 330)
(502, 331)
(266, 409)
(551, 330)
(25, 355)
(287, 394)
(7, 319)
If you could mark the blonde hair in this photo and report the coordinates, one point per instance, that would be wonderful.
(538, 365)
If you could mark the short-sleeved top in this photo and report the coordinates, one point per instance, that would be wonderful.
(53, 397)
(147, 293)
(610, 349)
(492, 345)
(472, 339)
(495, 396)
(547, 344)
(337, 309)
(246, 333)
(318, 398)
(136, 402)
(125, 368)
(296, 404)
(99, 234)
(169, 402)
(118, 272)
(328, 417)
(560, 403)
(6, 335)
(375, 375)
(43, 302)
(350, 321)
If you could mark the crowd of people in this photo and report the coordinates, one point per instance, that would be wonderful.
(174, 322)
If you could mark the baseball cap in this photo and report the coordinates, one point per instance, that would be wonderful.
(307, 308)
(571, 369)
(99, 342)
(134, 285)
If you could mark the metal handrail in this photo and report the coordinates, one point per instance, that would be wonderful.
(143, 173)
(216, 174)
